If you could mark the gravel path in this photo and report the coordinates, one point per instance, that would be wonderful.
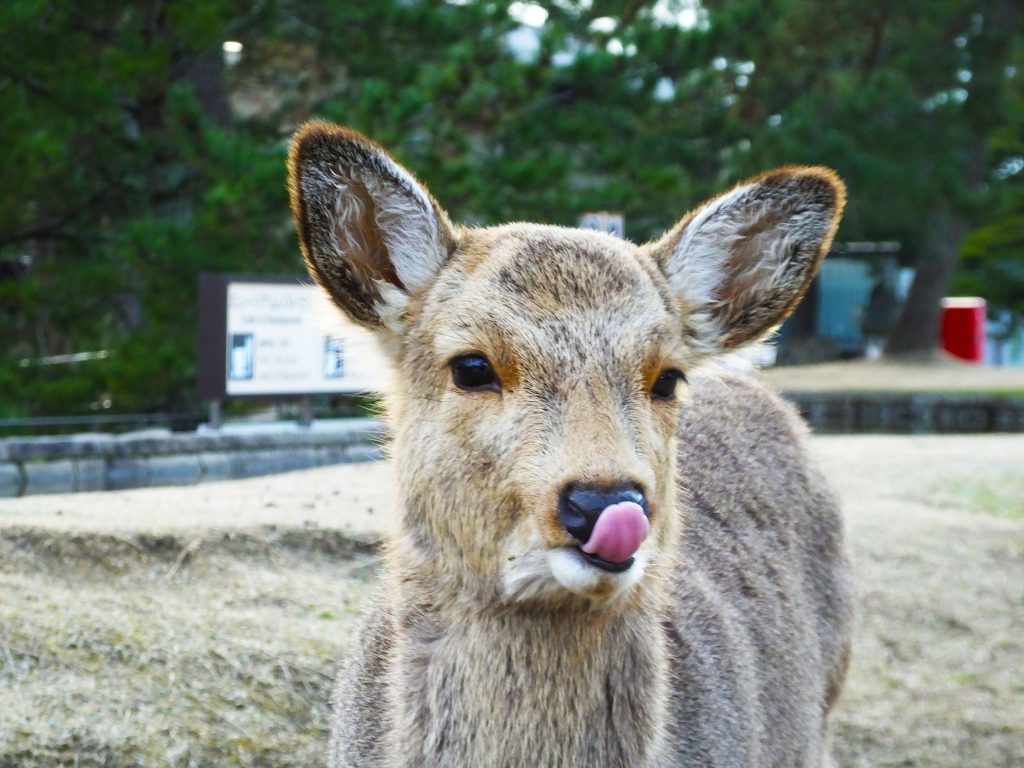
(939, 374)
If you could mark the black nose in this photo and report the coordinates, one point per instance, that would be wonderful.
(579, 506)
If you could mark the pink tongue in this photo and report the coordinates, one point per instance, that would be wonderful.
(619, 532)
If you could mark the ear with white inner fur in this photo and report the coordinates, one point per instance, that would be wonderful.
(741, 263)
(370, 233)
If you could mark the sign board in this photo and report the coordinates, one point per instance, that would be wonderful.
(603, 221)
(279, 337)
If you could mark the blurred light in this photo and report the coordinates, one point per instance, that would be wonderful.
(574, 7)
(742, 81)
(719, 63)
(615, 47)
(687, 18)
(232, 52)
(603, 24)
(664, 89)
(566, 57)
(562, 59)
(964, 75)
(774, 120)
(75, 357)
(1011, 166)
(524, 44)
(528, 14)
(685, 14)
(932, 102)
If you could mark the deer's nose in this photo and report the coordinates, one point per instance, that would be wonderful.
(580, 506)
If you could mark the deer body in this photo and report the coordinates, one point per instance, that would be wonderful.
(599, 563)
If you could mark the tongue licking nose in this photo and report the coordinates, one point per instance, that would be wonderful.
(620, 530)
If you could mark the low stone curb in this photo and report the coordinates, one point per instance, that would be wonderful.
(908, 413)
(101, 462)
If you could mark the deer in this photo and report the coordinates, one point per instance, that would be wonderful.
(608, 554)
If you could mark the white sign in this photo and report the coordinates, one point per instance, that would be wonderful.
(603, 221)
(289, 340)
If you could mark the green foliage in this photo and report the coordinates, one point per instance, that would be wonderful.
(120, 187)
(992, 263)
(898, 97)
(134, 160)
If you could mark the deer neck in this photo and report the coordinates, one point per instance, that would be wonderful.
(510, 688)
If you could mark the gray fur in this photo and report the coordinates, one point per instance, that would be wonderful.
(757, 634)
(495, 643)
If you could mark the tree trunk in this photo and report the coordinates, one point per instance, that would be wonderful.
(917, 330)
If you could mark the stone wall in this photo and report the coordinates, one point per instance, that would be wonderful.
(908, 413)
(102, 462)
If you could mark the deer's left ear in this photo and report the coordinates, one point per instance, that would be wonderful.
(740, 263)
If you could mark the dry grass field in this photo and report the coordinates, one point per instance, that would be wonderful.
(201, 626)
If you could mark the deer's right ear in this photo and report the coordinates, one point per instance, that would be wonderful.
(371, 234)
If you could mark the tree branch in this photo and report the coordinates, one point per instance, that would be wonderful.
(32, 84)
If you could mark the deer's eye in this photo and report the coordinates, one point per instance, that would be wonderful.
(474, 373)
(665, 386)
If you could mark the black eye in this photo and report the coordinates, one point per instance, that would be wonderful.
(473, 373)
(665, 386)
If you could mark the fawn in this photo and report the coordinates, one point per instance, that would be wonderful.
(603, 559)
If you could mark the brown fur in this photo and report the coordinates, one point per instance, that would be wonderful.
(491, 645)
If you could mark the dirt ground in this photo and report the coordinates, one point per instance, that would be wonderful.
(201, 626)
(939, 373)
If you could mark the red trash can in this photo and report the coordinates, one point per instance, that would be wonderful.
(963, 327)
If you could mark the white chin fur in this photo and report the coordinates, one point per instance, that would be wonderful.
(577, 575)
(549, 573)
